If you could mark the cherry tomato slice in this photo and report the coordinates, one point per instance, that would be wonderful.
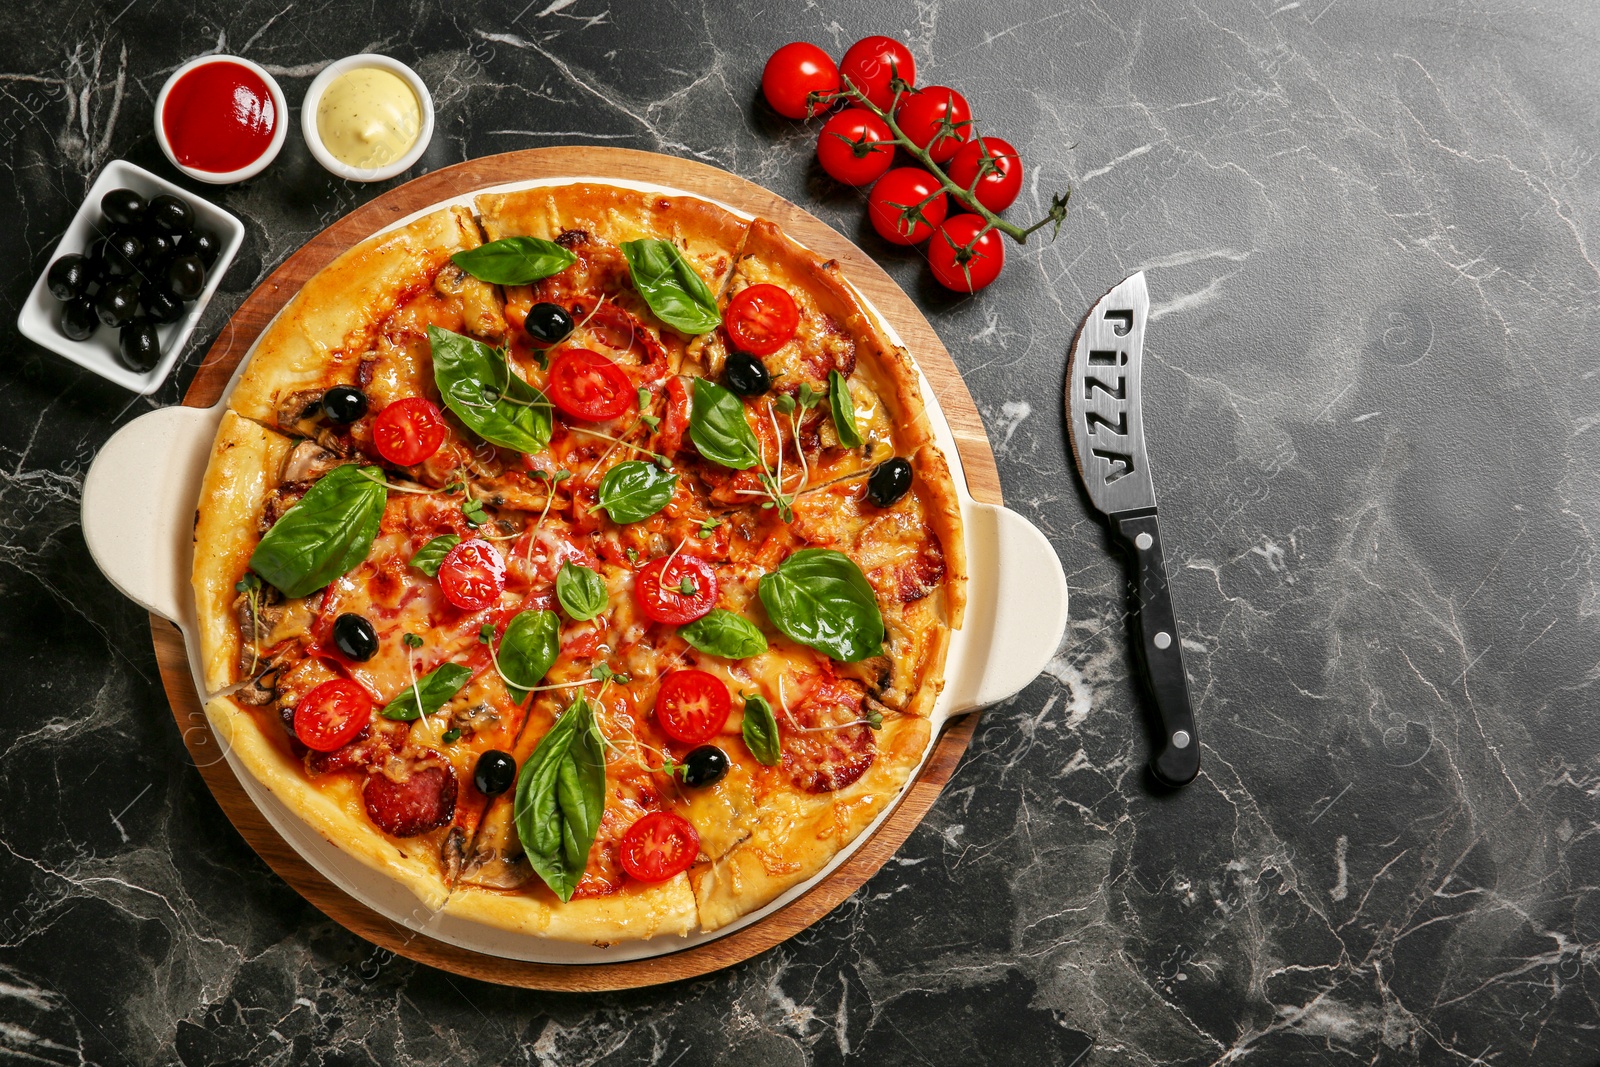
(922, 116)
(762, 319)
(855, 147)
(408, 431)
(691, 706)
(794, 72)
(1002, 178)
(658, 846)
(677, 594)
(588, 386)
(903, 189)
(331, 715)
(472, 575)
(955, 265)
(871, 62)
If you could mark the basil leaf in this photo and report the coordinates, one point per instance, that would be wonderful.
(718, 428)
(820, 598)
(430, 555)
(431, 691)
(671, 286)
(514, 260)
(481, 388)
(761, 731)
(844, 410)
(722, 633)
(581, 591)
(527, 649)
(634, 490)
(327, 532)
(561, 794)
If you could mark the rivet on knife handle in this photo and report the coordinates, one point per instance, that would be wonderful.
(1106, 423)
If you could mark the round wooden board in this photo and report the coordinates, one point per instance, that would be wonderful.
(983, 481)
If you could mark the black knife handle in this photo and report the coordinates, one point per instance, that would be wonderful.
(1178, 760)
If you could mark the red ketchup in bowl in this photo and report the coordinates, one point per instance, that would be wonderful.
(219, 117)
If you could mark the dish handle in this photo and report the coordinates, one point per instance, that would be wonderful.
(138, 506)
(1016, 608)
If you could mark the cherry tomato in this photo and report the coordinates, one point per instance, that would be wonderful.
(962, 269)
(472, 575)
(331, 715)
(794, 72)
(872, 61)
(408, 431)
(692, 706)
(588, 386)
(922, 116)
(658, 846)
(660, 590)
(1002, 178)
(855, 147)
(761, 319)
(901, 189)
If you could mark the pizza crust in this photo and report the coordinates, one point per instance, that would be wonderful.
(321, 336)
(244, 466)
(635, 913)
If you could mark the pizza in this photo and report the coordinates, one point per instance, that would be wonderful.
(582, 560)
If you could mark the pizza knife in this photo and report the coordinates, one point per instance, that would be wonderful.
(1107, 431)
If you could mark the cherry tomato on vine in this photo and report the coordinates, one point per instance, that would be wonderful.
(678, 593)
(590, 387)
(331, 715)
(659, 846)
(762, 319)
(902, 190)
(871, 62)
(855, 147)
(936, 118)
(793, 73)
(472, 575)
(1002, 177)
(692, 706)
(963, 261)
(408, 431)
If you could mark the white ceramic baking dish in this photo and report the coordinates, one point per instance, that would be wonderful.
(138, 519)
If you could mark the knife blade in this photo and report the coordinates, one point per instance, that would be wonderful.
(1106, 425)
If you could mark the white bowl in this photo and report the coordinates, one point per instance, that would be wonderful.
(280, 128)
(40, 318)
(308, 118)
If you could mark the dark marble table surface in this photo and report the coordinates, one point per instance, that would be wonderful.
(1374, 369)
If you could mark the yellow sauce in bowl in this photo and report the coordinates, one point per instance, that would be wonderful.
(368, 118)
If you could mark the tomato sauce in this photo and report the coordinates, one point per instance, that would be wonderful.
(219, 117)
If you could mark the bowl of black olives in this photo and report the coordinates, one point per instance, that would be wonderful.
(130, 277)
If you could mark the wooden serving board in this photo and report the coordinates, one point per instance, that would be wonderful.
(983, 481)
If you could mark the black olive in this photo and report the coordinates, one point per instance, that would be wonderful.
(746, 375)
(123, 251)
(547, 323)
(706, 765)
(158, 248)
(186, 277)
(202, 244)
(890, 481)
(344, 403)
(159, 304)
(167, 212)
(117, 304)
(355, 637)
(139, 346)
(495, 772)
(78, 320)
(123, 207)
(68, 277)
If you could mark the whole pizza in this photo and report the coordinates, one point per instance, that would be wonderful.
(582, 561)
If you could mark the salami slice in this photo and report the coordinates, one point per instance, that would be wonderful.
(820, 754)
(423, 799)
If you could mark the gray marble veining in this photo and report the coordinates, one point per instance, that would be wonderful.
(1372, 376)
